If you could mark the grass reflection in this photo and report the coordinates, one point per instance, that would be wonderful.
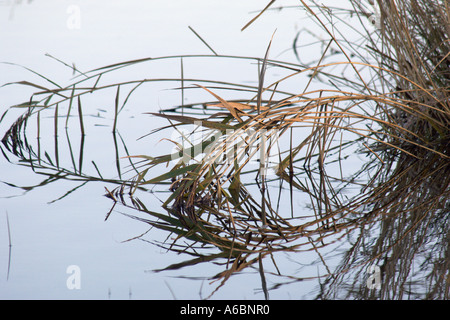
(272, 172)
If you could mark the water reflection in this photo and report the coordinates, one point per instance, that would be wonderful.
(42, 161)
(380, 232)
(275, 184)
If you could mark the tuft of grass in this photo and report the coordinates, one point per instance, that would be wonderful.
(227, 193)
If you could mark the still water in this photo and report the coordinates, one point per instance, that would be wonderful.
(62, 238)
(50, 231)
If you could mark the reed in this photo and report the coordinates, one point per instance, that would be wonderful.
(387, 99)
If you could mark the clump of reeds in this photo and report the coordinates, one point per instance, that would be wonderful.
(406, 133)
(392, 106)
(411, 187)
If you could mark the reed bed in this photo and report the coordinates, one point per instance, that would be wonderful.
(231, 193)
